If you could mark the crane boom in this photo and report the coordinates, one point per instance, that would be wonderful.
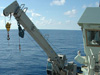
(23, 19)
(56, 63)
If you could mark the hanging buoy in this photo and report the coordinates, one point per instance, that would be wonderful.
(8, 25)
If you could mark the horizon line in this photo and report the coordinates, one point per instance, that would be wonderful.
(47, 29)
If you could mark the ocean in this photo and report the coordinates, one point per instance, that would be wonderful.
(31, 59)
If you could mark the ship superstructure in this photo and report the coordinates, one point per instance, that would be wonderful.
(90, 25)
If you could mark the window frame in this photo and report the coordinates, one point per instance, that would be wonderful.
(87, 38)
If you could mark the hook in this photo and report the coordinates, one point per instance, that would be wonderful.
(22, 6)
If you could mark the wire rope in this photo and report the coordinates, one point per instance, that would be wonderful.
(33, 42)
(51, 43)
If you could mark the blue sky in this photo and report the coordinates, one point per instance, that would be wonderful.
(50, 14)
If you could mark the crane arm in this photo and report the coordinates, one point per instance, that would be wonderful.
(23, 19)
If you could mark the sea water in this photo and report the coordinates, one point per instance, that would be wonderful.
(31, 59)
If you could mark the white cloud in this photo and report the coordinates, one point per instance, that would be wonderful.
(36, 15)
(1, 15)
(59, 23)
(33, 14)
(97, 4)
(2, 22)
(57, 2)
(91, 5)
(43, 18)
(84, 6)
(2, 26)
(68, 21)
(44, 21)
(14, 24)
(2, 7)
(70, 13)
(29, 11)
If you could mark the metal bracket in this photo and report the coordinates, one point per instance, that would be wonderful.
(25, 9)
(22, 6)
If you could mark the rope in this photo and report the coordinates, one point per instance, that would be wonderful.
(51, 43)
(32, 41)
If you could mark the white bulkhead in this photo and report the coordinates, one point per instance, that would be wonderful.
(90, 24)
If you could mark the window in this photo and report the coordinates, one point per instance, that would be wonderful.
(93, 37)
